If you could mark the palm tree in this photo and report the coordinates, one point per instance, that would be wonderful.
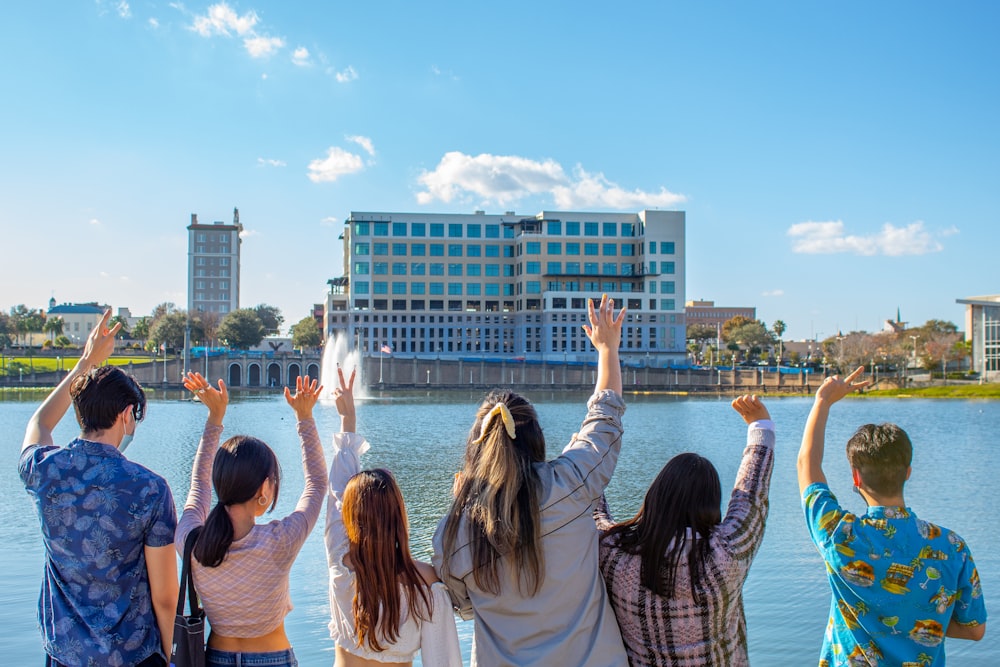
(779, 329)
(53, 327)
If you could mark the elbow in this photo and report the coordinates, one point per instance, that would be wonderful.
(976, 632)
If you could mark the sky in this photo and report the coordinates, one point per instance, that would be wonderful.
(837, 162)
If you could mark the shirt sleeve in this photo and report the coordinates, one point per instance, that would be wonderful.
(589, 460)
(457, 589)
(163, 521)
(743, 526)
(347, 451)
(602, 515)
(439, 635)
(199, 498)
(823, 515)
(297, 525)
(970, 607)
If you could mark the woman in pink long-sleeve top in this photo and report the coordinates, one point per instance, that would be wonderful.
(241, 568)
(675, 571)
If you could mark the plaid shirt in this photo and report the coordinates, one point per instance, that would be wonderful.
(708, 628)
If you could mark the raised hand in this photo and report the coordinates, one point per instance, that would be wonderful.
(100, 343)
(214, 399)
(306, 394)
(605, 328)
(834, 388)
(750, 408)
(344, 399)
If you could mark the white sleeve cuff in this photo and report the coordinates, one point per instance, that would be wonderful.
(765, 424)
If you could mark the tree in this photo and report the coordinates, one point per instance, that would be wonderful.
(748, 334)
(141, 330)
(733, 323)
(270, 317)
(306, 333)
(26, 320)
(779, 329)
(5, 330)
(162, 309)
(701, 332)
(118, 319)
(241, 329)
(53, 327)
(169, 329)
(209, 321)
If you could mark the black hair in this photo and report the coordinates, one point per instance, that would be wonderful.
(241, 466)
(101, 394)
(685, 495)
(881, 453)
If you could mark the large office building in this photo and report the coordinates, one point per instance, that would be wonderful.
(214, 265)
(509, 286)
(982, 327)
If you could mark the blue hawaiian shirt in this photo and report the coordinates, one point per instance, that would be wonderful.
(897, 583)
(97, 511)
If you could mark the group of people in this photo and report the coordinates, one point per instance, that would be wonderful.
(528, 548)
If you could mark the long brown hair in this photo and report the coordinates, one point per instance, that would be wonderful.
(685, 495)
(379, 549)
(498, 494)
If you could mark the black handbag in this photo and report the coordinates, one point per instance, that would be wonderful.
(188, 649)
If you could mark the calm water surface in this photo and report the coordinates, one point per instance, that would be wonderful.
(420, 438)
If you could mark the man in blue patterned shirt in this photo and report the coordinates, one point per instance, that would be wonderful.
(900, 584)
(109, 593)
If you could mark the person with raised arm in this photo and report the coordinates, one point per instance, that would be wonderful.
(518, 548)
(675, 571)
(110, 587)
(240, 567)
(900, 584)
(386, 607)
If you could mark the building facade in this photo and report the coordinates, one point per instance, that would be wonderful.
(509, 286)
(214, 265)
(706, 312)
(982, 326)
(78, 319)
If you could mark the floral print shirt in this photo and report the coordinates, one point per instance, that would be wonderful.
(897, 582)
(98, 511)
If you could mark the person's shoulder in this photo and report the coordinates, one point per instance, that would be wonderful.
(34, 455)
(426, 571)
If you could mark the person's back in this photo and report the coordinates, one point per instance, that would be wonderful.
(900, 584)
(107, 523)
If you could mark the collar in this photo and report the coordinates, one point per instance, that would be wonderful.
(96, 448)
(890, 512)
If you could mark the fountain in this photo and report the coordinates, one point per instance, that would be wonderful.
(336, 352)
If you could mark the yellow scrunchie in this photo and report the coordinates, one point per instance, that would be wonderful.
(508, 422)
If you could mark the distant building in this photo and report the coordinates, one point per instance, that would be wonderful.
(214, 265)
(509, 286)
(79, 319)
(982, 327)
(706, 312)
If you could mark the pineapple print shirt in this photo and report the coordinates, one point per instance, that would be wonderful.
(897, 583)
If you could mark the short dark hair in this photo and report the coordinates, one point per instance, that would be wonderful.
(101, 394)
(881, 453)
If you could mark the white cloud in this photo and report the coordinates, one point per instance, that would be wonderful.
(337, 163)
(330, 221)
(270, 162)
(104, 274)
(123, 9)
(263, 47)
(247, 233)
(346, 75)
(300, 57)
(221, 19)
(153, 23)
(507, 178)
(773, 292)
(94, 221)
(824, 238)
(263, 76)
(364, 142)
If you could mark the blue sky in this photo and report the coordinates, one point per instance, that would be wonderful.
(837, 161)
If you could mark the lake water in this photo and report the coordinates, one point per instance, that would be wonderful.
(421, 437)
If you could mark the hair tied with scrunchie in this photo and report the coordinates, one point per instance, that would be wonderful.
(505, 416)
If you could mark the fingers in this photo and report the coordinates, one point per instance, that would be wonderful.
(857, 371)
(350, 385)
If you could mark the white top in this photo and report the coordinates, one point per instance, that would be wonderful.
(436, 639)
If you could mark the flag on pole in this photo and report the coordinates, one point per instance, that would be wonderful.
(386, 349)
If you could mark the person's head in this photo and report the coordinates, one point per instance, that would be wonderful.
(245, 469)
(378, 547)
(497, 490)
(686, 495)
(104, 395)
(880, 457)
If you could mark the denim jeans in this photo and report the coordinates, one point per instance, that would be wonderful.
(155, 660)
(216, 658)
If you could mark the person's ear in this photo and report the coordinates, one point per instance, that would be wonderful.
(856, 475)
(909, 469)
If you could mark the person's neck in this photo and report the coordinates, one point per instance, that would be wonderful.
(109, 437)
(874, 500)
(244, 518)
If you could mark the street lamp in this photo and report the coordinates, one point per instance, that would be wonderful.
(914, 339)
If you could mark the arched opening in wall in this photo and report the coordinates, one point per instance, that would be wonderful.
(312, 370)
(253, 375)
(293, 372)
(273, 375)
(235, 375)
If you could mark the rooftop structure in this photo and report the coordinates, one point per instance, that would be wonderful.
(214, 265)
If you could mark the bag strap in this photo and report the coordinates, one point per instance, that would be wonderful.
(187, 577)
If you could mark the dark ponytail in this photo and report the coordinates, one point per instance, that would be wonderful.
(241, 466)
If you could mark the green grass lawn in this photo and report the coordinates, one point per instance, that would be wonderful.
(942, 391)
(49, 364)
